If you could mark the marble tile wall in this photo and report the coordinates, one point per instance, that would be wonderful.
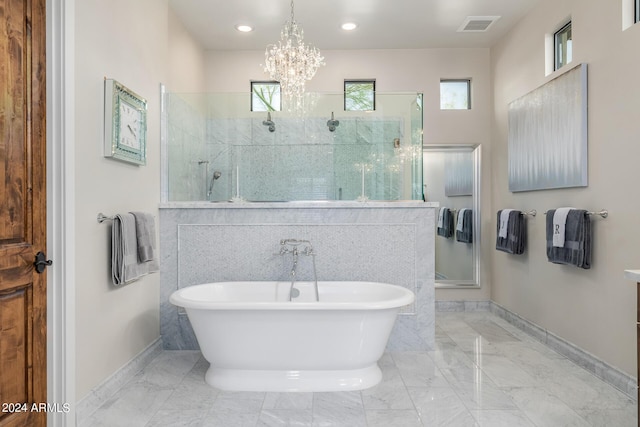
(384, 242)
(302, 160)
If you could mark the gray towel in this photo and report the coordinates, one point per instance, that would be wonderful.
(515, 241)
(447, 228)
(464, 234)
(125, 267)
(577, 240)
(146, 236)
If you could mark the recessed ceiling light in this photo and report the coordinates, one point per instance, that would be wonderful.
(349, 26)
(244, 28)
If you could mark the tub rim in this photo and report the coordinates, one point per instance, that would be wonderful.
(403, 298)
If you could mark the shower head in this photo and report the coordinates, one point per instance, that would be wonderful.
(333, 123)
(270, 123)
(216, 175)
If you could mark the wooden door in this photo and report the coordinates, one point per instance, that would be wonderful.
(23, 353)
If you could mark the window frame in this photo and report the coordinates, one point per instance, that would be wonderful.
(467, 81)
(266, 82)
(558, 42)
(360, 81)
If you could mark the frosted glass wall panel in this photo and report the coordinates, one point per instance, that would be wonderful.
(548, 135)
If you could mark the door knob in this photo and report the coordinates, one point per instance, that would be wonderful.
(41, 262)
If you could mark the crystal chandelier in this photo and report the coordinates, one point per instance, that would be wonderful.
(292, 63)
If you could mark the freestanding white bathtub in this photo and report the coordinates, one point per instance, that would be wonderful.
(257, 340)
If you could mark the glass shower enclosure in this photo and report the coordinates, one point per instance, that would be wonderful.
(216, 149)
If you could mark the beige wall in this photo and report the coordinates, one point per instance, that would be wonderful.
(113, 325)
(594, 309)
(417, 70)
(186, 66)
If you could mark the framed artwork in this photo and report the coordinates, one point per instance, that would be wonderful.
(548, 135)
(125, 124)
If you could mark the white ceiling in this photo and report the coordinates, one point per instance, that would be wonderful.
(382, 24)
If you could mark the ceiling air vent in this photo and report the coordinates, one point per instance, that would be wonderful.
(477, 24)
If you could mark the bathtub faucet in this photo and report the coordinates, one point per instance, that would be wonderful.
(285, 249)
(295, 266)
(290, 246)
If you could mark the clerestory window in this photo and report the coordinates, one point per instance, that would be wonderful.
(265, 96)
(359, 95)
(562, 43)
(455, 94)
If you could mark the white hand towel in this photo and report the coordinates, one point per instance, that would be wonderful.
(460, 222)
(559, 223)
(504, 223)
(441, 217)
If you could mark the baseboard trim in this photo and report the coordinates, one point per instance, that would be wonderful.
(101, 393)
(453, 306)
(609, 374)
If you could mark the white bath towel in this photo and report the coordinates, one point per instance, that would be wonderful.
(504, 223)
(559, 225)
(441, 217)
(460, 220)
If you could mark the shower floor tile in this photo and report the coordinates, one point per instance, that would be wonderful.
(483, 372)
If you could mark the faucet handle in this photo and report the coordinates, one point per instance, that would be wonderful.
(283, 250)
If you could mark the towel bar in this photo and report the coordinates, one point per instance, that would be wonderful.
(102, 218)
(603, 213)
(532, 212)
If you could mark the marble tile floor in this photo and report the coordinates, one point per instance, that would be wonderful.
(483, 372)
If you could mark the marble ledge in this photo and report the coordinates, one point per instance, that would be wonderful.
(632, 275)
(320, 204)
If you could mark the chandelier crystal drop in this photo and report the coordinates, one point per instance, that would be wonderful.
(292, 62)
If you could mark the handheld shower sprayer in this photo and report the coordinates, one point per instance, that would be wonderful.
(215, 176)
